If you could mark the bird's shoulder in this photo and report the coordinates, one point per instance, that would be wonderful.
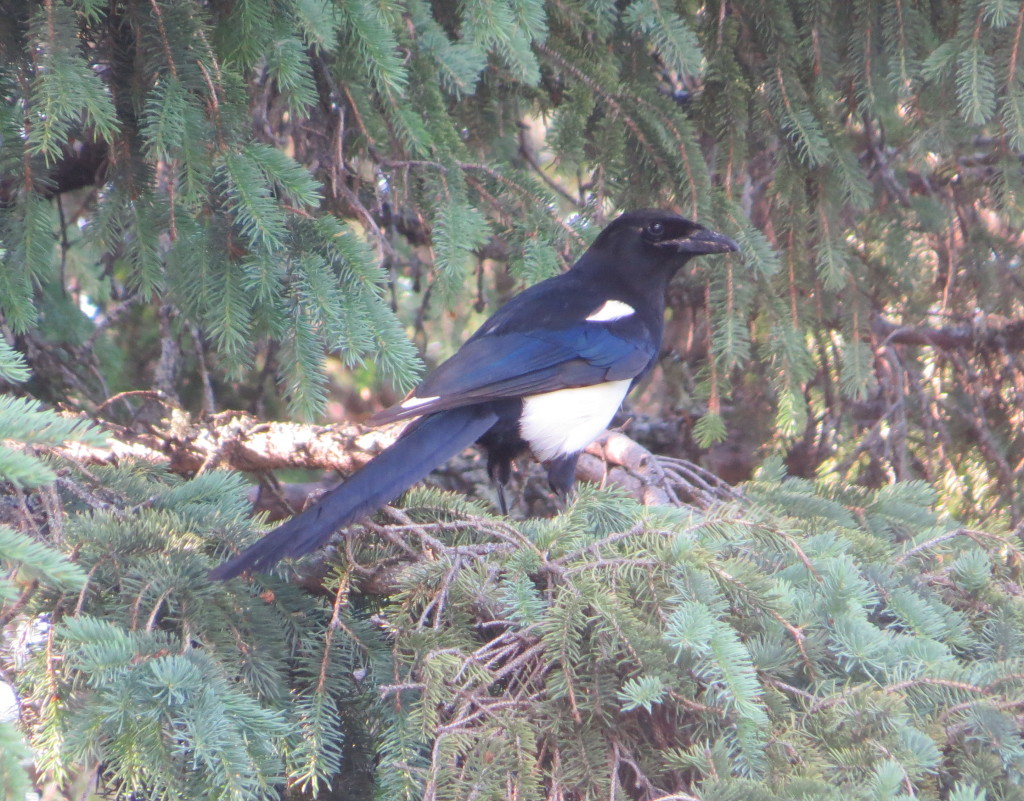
(564, 302)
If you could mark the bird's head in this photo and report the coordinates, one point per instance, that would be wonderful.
(664, 238)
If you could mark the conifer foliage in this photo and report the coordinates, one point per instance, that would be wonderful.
(209, 205)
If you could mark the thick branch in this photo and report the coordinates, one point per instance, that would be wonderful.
(1005, 336)
(237, 441)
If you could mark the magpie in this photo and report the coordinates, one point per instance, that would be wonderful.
(545, 374)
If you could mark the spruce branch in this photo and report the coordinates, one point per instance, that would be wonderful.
(238, 441)
(1003, 336)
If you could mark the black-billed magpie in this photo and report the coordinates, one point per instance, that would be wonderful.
(546, 373)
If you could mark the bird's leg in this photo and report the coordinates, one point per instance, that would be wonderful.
(502, 503)
(562, 476)
(500, 471)
(562, 479)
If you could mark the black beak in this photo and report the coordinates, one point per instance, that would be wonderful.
(705, 241)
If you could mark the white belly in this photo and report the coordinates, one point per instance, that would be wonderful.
(568, 420)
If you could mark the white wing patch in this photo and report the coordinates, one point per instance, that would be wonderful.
(568, 420)
(611, 310)
(412, 403)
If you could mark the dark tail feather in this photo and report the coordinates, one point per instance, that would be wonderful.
(429, 442)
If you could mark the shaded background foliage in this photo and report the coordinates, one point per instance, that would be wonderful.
(242, 186)
(217, 205)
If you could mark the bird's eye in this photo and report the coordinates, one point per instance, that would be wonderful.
(656, 230)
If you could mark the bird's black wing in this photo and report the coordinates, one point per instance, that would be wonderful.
(541, 341)
(516, 364)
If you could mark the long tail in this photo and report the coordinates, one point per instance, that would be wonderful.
(427, 443)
